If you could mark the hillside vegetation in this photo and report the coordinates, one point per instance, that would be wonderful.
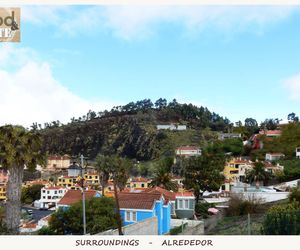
(130, 130)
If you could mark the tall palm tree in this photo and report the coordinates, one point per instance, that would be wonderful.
(118, 169)
(103, 165)
(162, 176)
(257, 174)
(19, 148)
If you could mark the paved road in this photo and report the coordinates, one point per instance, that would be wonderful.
(38, 214)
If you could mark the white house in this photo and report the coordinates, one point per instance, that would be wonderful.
(51, 196)
(188, 151)
(298, 153)
(223, 136)
(274, 156)
(171, 127)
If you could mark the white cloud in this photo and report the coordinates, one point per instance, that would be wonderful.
(32, 94)
(135, 22)
(292, 84)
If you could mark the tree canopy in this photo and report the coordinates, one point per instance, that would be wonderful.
(204, 173)
(100, 216)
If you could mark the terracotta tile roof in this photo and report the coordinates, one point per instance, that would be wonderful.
(184, 194)
(270, 132)
(54, 187)
(74, 196)
(59, 157)
(140, 179)
(138, 200)
(29, 225)
(167, 194)
(188, 148)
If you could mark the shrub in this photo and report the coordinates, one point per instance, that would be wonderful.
(282, 220)
(294, 195)
(201, 209)
(239, 206)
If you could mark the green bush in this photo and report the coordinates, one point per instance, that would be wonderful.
(294, 195)
(201, 209)
(282, 220)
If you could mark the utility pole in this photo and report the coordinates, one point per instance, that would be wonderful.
(249, 225)
(83, 195)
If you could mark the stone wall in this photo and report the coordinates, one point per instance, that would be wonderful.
(144, 227)
(194, 227)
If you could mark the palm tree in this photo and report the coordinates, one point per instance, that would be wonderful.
(103, 165)
(19, 148)
(257, 174)
(162, 175)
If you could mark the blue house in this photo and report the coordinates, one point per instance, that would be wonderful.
(135, 207)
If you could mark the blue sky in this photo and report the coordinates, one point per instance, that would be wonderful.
(238, 61)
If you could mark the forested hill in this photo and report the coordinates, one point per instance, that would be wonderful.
(130, 130)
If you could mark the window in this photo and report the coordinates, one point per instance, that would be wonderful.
(186, 204)
(49, 197)
(55, 192)
(133, 216)
(44, 197)
(180, 204)
(44, 191)
(142, 185)
(130, 216)
(183, 204)
(48, 192)
(127, 216)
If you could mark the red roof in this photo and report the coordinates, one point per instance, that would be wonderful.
(140, 179)
(138, 200)
(74, 196)
(167, 194)
(59, 157)
(54, 187)
(29, 225)
(270, 132)
(188, 148)
(185, 194)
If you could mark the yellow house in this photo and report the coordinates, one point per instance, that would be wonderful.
(67, 182)
(92, 178)
(58, 162)
(235, 170)
(2, 191)
(138, 182)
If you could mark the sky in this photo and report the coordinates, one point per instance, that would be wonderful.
(237, 61)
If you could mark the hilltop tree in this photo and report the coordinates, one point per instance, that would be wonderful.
(270, 124)
(203, 173)
(161, 103)
(18, 148)
(292, 117)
